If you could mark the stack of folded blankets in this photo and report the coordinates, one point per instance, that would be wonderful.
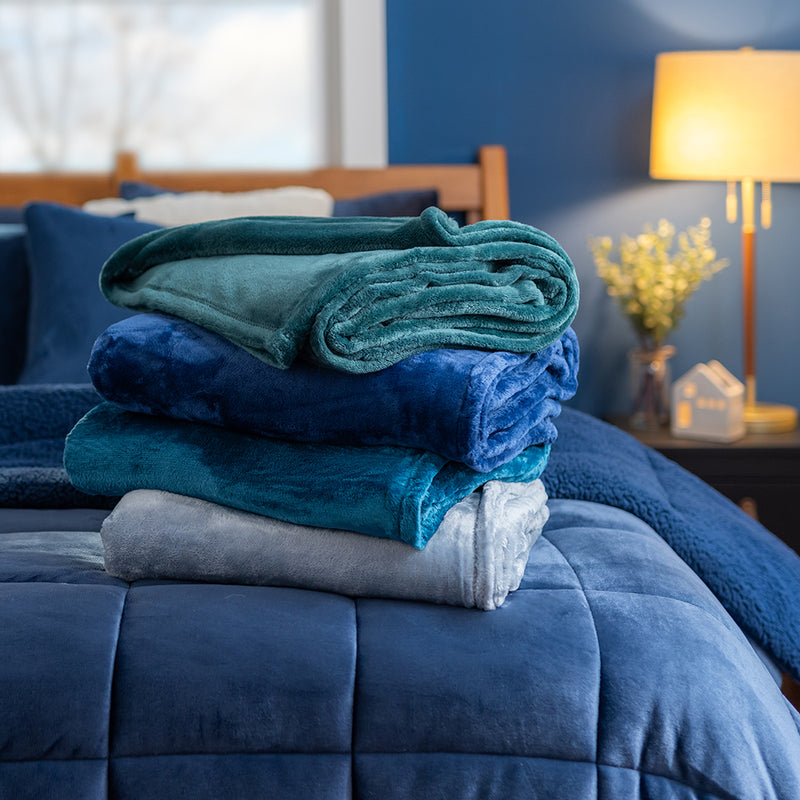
(359, 405)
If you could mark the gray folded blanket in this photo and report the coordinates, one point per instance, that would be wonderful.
(476, 558)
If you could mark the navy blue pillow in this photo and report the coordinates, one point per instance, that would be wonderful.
(66, 250)
(13, 301)
(410, 203)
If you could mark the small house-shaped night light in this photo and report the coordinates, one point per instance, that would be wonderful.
(708, 403)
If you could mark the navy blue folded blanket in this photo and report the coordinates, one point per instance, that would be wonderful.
(356, 294)
(753, 574)
(33, 423)
(479, 408)
(393, 492)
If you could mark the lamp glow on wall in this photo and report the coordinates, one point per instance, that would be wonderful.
(732, 116)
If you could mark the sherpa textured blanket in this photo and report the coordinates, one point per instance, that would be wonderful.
(393, 492)
(33, 423)
(479, 408)
(476, 558)
(753, 574)
(356, 294)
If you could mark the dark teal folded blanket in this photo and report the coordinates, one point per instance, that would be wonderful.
(753, 574)
(355, 294)
(479, 408)
(394, 492)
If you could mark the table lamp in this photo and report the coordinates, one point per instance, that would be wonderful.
(732, 115)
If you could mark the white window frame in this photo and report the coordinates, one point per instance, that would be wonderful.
(357, 105)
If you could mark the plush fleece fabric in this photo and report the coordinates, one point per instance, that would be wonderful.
(479, 408)
(393, 492)
(753, 574)
(355, 294)
(477, 556)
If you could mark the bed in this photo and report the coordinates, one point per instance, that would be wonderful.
(181, 637)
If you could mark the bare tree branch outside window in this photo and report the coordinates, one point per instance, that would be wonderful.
(182, 82)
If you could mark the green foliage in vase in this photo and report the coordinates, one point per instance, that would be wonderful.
(650, 281)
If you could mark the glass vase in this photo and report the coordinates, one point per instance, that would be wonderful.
(650, 380)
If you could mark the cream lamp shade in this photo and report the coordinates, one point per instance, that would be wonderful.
(732, 115)
(726, 115)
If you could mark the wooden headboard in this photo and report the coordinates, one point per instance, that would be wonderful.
(480, 190)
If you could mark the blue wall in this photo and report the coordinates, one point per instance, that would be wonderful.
(566, 86)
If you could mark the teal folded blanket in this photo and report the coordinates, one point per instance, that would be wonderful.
(394, 492)
(356, 294)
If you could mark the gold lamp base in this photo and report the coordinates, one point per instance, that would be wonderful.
(769, 418)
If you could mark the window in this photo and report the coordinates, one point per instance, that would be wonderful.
(273, 83)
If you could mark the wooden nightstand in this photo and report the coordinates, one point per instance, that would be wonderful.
(760, 472)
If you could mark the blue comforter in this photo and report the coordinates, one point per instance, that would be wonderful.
(753, 574)
(612, 672)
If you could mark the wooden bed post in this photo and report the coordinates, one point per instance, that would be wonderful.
(494, 172)
(126, 167)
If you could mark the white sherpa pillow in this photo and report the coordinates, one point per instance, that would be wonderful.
(183, 209)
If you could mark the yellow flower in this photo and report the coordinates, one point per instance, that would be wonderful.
(651, 283)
